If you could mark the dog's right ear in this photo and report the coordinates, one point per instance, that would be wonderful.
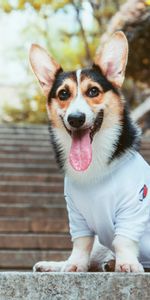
(44, 67)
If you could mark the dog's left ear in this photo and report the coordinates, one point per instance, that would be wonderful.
(112, 59)
(44, 67)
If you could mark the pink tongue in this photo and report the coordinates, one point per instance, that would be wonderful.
(81, 151)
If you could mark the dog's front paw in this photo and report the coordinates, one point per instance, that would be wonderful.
(48, 266)
(74, 267)
(127, 267)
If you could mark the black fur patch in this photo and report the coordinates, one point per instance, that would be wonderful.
(129, 137)
(97, 124)
(58, 151)
(60, 77)
(96, 75)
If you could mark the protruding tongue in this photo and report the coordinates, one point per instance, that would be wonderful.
(81, 150)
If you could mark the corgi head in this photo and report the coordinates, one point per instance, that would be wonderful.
(84, 106)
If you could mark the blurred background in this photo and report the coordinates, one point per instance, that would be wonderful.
(33, 219)
(71, 30)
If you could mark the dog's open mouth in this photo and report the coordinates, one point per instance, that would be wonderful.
(80, 155)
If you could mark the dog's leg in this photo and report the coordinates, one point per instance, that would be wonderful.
(77, 262)
(101, 259)
(126, 252)
(80, 256)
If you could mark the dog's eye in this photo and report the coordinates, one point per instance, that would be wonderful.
(93, 92)
(63, 94)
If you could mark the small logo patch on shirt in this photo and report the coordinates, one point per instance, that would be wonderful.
(143, 192)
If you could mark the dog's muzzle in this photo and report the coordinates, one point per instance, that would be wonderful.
(77, 120)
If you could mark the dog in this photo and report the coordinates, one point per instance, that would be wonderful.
(107, 181)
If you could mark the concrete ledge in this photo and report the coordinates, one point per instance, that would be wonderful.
(74, 286)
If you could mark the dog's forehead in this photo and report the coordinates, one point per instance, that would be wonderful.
(82, 75)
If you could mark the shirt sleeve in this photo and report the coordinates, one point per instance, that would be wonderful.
(77, 224)
(133, 214)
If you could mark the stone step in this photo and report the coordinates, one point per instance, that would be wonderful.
(49, 160)
(31, 187)
(25, 259)
(145, 145)
(145, 152)
(28, 128)
(17, 149)
(27, 156)
(24, 137)
(31, 198)
(35, 241)
(74, 286)
(33, 225)
(41, 168)
(33, 143)
(15, 126)
(26, 210)
(35, 177)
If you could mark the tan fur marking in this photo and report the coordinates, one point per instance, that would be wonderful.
(72, 86)
(53, 114)
(95, 100)
(113, 108)
(69, 83)
(86, 84)
(64, 104)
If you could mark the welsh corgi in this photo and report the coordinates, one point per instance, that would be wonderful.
(107, 182)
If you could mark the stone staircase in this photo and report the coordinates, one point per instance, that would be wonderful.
(33, 218)
(33, 223)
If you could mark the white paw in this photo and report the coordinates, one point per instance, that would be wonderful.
(74, 267)
(48, 266)
(129, 267)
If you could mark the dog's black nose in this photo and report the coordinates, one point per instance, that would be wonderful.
(76, 120)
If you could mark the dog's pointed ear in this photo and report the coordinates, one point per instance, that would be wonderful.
(112, 59)
(44, 67)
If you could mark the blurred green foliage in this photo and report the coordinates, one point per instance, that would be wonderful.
(73, 46)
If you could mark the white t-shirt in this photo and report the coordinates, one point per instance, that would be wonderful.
(117, 204)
